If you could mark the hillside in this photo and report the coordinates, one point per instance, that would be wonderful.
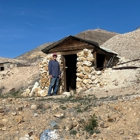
(126, 45)
(34, 55)
(98, 35)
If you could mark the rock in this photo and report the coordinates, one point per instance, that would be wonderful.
(138, 137)
(68, 94)
(35, 86)
(111, 119)
(42, 93)
(94, 135)
(35, 114)
(115, 82)
(104, 125)
(68, 126)
(59, 115)
(90, 59)
(26, 137)
(1, 125)
(98, 72)
(74, 124)
(54, 125)
(78, 79)
(14, 113)
(19, 119)
(85, 81)
(26, 93)
(87, 63)
(87, 69)
(34, 137)
(93, 77)
(79, 69)
(2, 109)
(34, 107)
(19, 108)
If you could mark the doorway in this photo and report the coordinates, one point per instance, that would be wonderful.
(1, 68)
(70, 72)
(100, 59)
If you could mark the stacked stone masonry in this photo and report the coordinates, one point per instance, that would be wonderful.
(45, 80)
(85, 70)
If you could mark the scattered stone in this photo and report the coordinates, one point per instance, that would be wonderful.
(14, 113)
(59, 115)
(104, 125)
(19, 119)
(35, 115)
(34, 107)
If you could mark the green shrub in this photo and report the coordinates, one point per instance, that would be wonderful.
(92, 124)
(63, 107)
(73, 132)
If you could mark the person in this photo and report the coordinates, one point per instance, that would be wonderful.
(55, 75)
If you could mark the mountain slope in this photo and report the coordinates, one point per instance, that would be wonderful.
(97, 35)
(35, 54)
(126, 45)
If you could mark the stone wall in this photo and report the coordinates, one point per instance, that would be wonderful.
(41, 88)
(85, 70)
(44, 79)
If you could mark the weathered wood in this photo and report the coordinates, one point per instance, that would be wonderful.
(71, 45)
(95, 59)
(70, 52)
(64, 68)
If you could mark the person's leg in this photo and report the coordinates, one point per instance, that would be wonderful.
(52, 82)
(56, 86)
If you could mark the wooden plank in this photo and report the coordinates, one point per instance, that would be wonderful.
(95, 59)
(70, 52)
(73, 45)
(70, 49)
(64, 67)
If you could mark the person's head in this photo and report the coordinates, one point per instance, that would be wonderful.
(54, 56)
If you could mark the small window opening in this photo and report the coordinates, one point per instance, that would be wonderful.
(1, 68)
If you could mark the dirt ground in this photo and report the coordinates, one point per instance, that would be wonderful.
(18, 78)
(117, 113)
(115, 103)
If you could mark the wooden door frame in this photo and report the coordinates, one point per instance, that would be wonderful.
(64, 68)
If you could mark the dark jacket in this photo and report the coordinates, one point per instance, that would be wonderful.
(54, 68)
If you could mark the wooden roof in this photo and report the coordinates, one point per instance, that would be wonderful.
(55, 47)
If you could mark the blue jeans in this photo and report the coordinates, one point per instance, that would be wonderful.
(54, 83)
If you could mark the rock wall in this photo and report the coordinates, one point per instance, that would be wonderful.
(41, 88)
(45, 80)
(85, 70)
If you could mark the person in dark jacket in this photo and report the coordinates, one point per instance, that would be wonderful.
(55, 75)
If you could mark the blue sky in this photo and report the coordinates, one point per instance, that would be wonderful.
(26, 24)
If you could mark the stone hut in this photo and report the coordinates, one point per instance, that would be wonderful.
(8, 63)
(80, 60)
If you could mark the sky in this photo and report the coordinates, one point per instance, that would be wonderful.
(27, 24)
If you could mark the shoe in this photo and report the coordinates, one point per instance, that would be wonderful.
(49, 95)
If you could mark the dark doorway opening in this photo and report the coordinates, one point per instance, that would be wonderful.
(1, 68)
(70, 72)
(100, 58)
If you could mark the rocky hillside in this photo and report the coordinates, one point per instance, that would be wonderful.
(34, 55)
(98, 35)
(126, 45)
(81, 117)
